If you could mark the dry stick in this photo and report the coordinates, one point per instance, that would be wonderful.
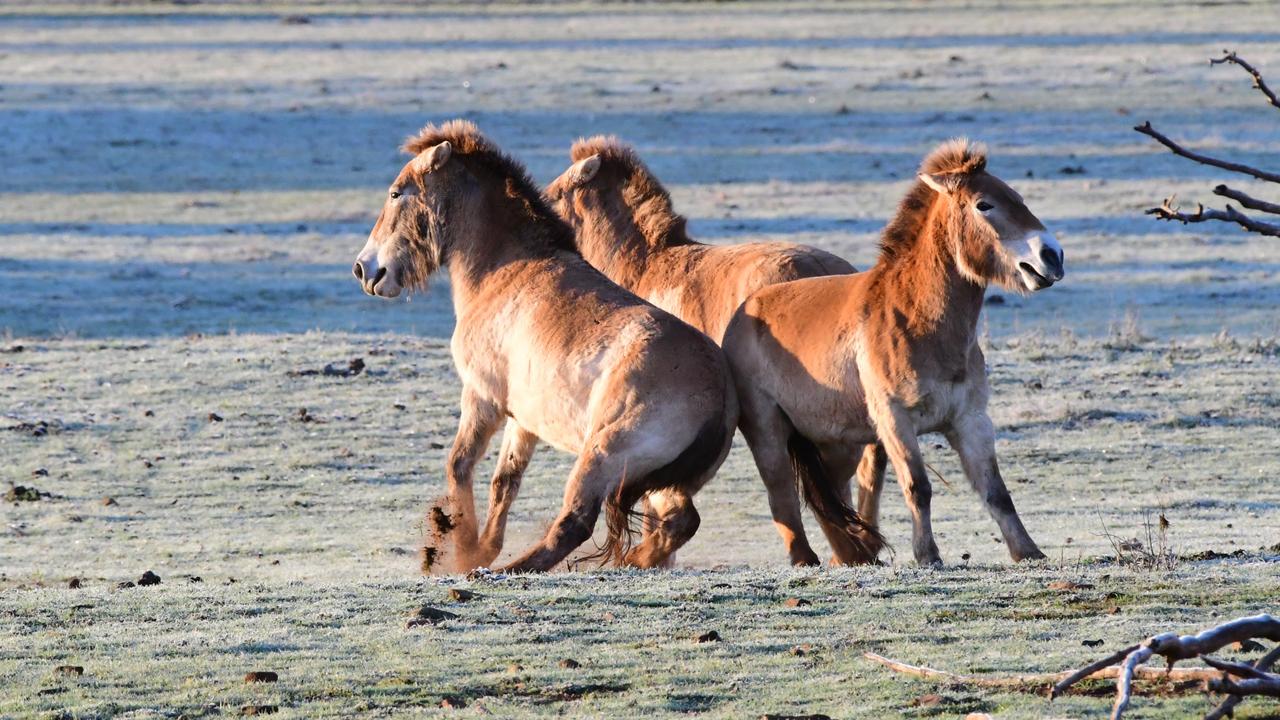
(1227, 708)
(1022, 681)
(1089, 670)
(1146, 129)
(1258, 82)
(1169, 211)
(1248, 201)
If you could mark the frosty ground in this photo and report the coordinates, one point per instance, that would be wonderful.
(185, 187)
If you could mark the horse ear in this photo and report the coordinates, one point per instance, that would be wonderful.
(583, 170)
(942, 184)
(434, 158)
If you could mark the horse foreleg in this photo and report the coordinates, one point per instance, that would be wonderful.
(898, 436)
(973, 439)
(517, 449)
(476, 426)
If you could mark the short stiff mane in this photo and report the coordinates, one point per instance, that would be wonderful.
(474, 149)
(645, 197)
(958, 156)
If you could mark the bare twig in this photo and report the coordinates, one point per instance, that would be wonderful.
(1169, 211)
(1146, 129)
(1227, 707)
(1230, 56)
(1175, 647)
(1246, 200)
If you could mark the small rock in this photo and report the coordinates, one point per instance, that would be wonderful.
(460, 595)
(258, 709)
(795, 602)
(125, 585)
(41, 472)
(148, 578)
(815, 716)
(514, 668)
(74, 583)
(927, 700)
(1091, 643)
(709, 636)
(69, 670)
(609, 617)
(427, 615)
(108, 501)
(569, 664)
(261, 676)
(1072, 170)
(400, 406)
(215, 417)
(802, 650)
(452, 702)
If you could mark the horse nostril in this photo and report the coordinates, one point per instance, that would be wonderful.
(1051, 259)
(382, 272)
(358, 271)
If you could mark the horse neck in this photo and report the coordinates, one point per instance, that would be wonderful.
(485, 250)
(942, 304)
(618, 247)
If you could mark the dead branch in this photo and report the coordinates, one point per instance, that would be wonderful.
(1267, 685)
(1169, 211)
(1246, 200)
(1227, 707)
(1146, 129)
(1042, 680)
(1229, 56)
(1173, 647)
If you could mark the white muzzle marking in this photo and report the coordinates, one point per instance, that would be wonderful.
(1040, 259)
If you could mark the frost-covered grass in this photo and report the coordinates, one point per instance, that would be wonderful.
(182, 196)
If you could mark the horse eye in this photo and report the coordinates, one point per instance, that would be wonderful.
(395, 194)
(984, 206)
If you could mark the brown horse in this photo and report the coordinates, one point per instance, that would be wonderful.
(548, 344)
(828, 364)
(627, 227)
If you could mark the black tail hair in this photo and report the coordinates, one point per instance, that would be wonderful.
(821, 497)
(695, 461)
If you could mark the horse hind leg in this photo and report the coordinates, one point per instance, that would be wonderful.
(824, 478)
(766, 433)
(651, 524)
(870, 474)
(593, 477)
(673, 521)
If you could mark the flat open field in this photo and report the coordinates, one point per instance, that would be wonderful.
(184, 188)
